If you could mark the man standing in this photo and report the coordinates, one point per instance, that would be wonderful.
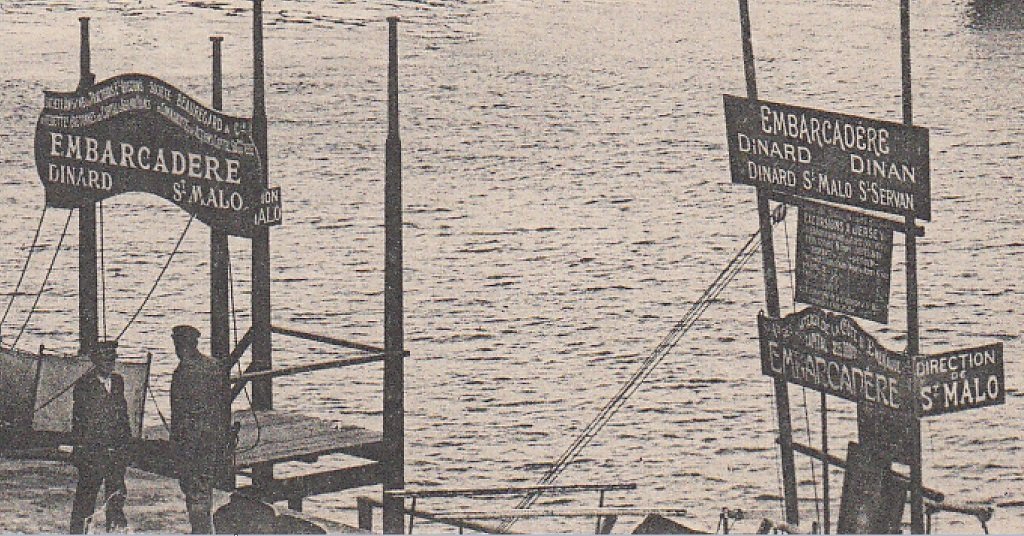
(200, 418)
(101, 434)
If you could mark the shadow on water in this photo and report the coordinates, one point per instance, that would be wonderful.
(995, 14)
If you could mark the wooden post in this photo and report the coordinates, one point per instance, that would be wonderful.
(220, 328)
(262, 389)
(771, 291)
(364, 510)
(88, 298)
(394, 332)
(825, 489)
(913, 334)
(220, 316)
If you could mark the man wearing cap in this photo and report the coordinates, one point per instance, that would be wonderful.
(100, 431)
(200, 419)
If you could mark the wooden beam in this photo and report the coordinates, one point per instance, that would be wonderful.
(240, 349)
(558, 512)
(325, 339)
(311, 367)
(508, 490)
(284, 489)
(929, 493)
(365, 506)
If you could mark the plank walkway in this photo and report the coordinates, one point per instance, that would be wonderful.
(282, 436)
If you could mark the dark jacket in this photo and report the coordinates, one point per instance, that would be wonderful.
(99, 420)
(200, 414)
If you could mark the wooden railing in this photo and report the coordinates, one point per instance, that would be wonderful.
(605, 516)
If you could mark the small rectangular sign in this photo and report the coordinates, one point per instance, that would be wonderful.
(845, 159)
(961, 380)
(843, 261)
(268, 211)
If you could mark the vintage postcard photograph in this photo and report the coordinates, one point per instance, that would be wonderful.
(511, 266)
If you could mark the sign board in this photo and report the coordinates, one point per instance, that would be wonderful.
(843, 261)
(830, 353)
(961, 380)
(845, 159)
(886, 431)
(136, 133)
(873, 497)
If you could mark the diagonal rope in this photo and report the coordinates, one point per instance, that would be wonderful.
(807, 417)
(103, 272)
(726, 276)
(158, 277)
(46, 278)
(24, 269)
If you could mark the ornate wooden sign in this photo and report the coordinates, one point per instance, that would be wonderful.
(877, 165)
(136, 133)
(832, 354)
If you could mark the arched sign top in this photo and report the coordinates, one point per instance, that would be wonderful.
(137, 133)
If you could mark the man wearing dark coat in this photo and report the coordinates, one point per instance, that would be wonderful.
(101, 434)
(200, 422)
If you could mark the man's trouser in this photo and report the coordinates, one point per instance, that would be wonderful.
(198, 490)
(104, 471)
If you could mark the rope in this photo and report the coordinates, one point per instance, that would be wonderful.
(103, 273)
(24, 269)
(803, 390)
(158, 277)
(62, 391)
(46, 278)
(238, 364)
(731, 270)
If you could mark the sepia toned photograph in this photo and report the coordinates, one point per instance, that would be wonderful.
(511, 266)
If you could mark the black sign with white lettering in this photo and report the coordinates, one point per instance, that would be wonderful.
(830, 353)
(843, 261)
(877, 165)
(136, 133)
(961, 380)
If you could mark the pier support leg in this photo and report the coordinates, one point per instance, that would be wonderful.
(394, 332)
(220, 316)
(262, 344)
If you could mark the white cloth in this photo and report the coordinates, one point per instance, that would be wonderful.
(105, 382)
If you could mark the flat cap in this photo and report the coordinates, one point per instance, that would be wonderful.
(184, 332)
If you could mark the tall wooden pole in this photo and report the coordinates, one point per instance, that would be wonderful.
(88, 296)
(220, 327)
(771, 291)
(220, 316)
(262, 389)
(394, 330)
(913, 340)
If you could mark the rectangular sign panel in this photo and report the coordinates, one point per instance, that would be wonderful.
(830, 353)
(961, 380)
(843, 261)
(877, 165)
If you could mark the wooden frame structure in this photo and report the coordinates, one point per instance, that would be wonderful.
(385, 452)
(911, 231)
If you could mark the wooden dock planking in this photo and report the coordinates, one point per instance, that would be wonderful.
(284, 436)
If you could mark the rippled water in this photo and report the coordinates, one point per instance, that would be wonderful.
(567, 196)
